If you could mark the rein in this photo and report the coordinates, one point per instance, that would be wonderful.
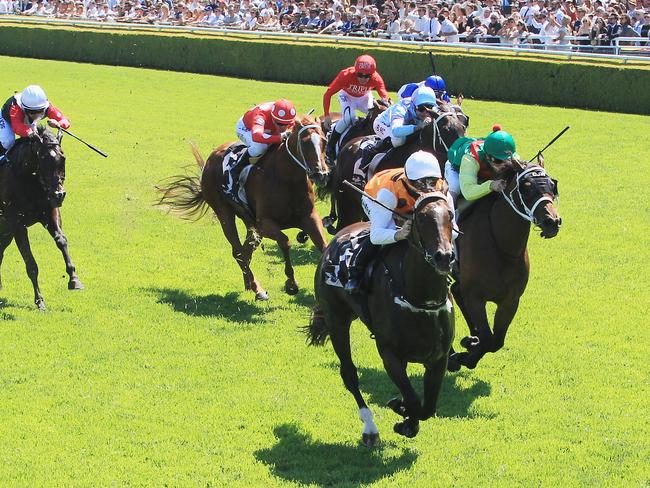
(423, 199)
(436, 131)
(303, 163)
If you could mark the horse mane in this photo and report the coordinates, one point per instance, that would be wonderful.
(306, 120)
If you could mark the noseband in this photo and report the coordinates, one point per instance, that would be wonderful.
(525, 211)
(302, 162)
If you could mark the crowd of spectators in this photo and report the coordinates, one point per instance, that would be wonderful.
(510, 22)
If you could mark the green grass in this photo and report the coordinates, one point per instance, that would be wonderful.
(164, 371)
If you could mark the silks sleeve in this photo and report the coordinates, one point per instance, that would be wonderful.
(469, 186)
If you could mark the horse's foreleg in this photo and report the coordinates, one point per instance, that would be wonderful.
(313, 226)
(476, 316)
(433, 376)
(22, 241)
(410, 405)
(503, 317)
(270, 229)
(54, 227)
(328, 222)
(340, 337)
(5, 240)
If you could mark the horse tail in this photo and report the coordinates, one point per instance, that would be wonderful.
(317, 331)
(182, 195)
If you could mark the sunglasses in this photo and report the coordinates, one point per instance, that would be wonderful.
(361, 75)
(423, 107)
(34, 112)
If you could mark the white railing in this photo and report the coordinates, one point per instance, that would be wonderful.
(638, 50)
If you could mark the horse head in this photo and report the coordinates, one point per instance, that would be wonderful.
(378, 107)
(532, 194)
(46, 161)
(448, 123)
(431, 233)
(306, 147)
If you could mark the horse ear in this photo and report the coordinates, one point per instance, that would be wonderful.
(540, 159)
(441, 185)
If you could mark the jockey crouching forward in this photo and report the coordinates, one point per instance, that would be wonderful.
(472, 165)
(397, 189)
(21, 114)
(401, 120)
(354, 86)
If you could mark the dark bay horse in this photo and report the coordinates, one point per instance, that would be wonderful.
(408, 309)
(448, 124)
(493, 256)
(31, 191)
(279, 193)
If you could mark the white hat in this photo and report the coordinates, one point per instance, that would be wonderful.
(422, 164)
(33, 98)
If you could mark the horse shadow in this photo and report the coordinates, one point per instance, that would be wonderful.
(297, 457)
(455, 398)
(5, 315)
(229, 306)
(301, 254)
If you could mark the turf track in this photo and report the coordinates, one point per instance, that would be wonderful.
(163, 371)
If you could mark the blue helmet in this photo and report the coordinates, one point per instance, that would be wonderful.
(436, 83)
(406, 91)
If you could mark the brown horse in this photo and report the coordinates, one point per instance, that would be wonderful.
(408, 310)
(448, 124)
(31, 191)
(494, 259)
(279, 193)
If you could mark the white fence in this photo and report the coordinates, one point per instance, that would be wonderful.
(624, 49)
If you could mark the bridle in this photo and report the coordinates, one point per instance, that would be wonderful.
(415, 240)
(301, 160)
(436, 133)
(525, 211)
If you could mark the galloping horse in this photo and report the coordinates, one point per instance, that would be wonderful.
(279, 193)
(408, 309)
(493, 255)
(448, 124)
(31, 191)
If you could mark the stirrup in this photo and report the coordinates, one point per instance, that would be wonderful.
(353, 285)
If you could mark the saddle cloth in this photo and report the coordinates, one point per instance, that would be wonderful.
(361, 174)
(338, 256)
(236, 179)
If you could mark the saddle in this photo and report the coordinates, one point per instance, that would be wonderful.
(340, 257)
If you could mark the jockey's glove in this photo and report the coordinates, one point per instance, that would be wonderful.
(404, 231)
(285, 135)
(33, 135)
(498, 185)
(53, 123)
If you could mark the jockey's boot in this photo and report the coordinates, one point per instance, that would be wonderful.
(360, 261)
(382, 146)
(330, 148)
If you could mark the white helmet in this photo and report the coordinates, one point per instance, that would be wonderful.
(424, 96)
(33, 98)
(422, 164)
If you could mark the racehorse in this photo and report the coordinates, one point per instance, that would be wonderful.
(31, 191)
(279, 193)
(407, 308)
(493, 257)
(448, 124)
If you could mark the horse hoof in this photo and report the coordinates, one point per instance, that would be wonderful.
(75, 285)
(370, 440)
(453, 365)
(302, 237)
(261, 296)
(469, 342)
(397, 405)
(331, 229)
(407, 428)
(41, 305)
(291, 288)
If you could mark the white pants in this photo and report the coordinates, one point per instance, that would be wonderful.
(383, 131)
(255, 149)
(349, 107)
(7, 136)
(452, 177)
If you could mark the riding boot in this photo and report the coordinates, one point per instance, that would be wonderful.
(382, 146)
(358, 265)
(330, 148)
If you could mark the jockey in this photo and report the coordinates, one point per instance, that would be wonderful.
(263, 125)
(21, 114)
(354, 86)
(397, 189)
(474, 162)
(438, 85)
(402, 120)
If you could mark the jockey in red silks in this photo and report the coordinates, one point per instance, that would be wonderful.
(21, 114)
(354, 86)
(263, 125)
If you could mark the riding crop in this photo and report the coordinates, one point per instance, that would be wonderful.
(84, 142)
(363, 193)
(552, 141)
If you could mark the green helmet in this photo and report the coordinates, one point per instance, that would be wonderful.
(500, 145)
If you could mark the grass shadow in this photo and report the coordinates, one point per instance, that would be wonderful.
(297, 457)
(304, 298)
(301, 254)
(5, 315)
(228, 306)
(455, 398)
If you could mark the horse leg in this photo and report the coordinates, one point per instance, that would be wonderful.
(270, 229)
(328, 222)
(479, 327)
(469, 342)
(503, 317)
(433, 376)
(313, 226)
(340, 337)
(22, 241)
(54, 227)
(409, 407)
(5, 240)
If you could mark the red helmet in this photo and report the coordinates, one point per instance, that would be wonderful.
(365, 64)
(283, 111)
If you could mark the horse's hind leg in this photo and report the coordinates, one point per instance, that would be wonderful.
(53, 226)
(5, 240)
(251, 243)
(328, 222)
(410, 406)
(476, 316)
(503, 317)
(22, 241)
(270, 229)
(313, 226)
(340, 337)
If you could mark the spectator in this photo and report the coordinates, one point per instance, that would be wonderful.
(563, 32)
(477, 31)
(613, 28)
(508, 32)
(232, 18)
(448, 31)
(393, 26)
(493, 28)
(432, 24)
(627, 30)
